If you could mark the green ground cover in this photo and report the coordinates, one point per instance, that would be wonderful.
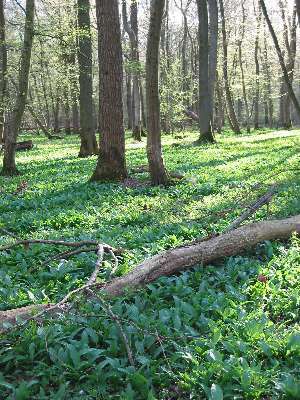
(210, 333)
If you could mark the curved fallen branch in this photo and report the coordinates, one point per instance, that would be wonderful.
(28, 242)
(175, 260)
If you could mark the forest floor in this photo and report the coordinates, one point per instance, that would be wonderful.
(231, 330)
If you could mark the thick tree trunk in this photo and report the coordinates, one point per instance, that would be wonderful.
(9, 162)
(176, 260)
(157, 169)
(230, 106)
(111, 164)
(3, 70)
(205, 111)
(281, 59)
(88, 145)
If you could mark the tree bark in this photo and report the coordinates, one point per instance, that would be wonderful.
(213, 54)
(132, 31)
(3, 70)
(88, 145)
(176, 260)
(157, 169)
(9, 159)
(298, 9)
(281, 59)
(230, 105)
(257, 71)
(205, 111)
(111, 164)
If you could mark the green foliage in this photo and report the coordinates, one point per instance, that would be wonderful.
(217, 332)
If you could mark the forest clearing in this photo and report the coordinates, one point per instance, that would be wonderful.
(149, 200)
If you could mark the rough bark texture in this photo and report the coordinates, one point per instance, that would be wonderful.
(111, 164)
(230, 106)
(175, 260)
(88, 144)
(9, 161)
(229, 244)
(157, 169)
(281, 59)
(205, 111)
(3, 70)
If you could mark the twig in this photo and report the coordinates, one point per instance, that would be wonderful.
(263, 200)
(67, 254)
(82, 243)
(8, 233)
(107, 308)
(90, 283)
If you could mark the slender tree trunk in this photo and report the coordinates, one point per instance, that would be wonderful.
(88, 145)
(257, 72)
(230, 106)
(281, 59)
(9, 159)
(129, 99)
(298, 10)
(268, 83)
(219, 105)
(111, 164)
(205, 123)
(132, 31)
(157, 169)
(3, 71)
(213, 54)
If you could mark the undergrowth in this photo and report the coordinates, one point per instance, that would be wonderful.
(225, 331)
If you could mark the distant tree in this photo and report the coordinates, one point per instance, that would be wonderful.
(3, 70)
(229, 101)
(298, 10)
(205, 123)
(88, 145)
(9, 159)
(281, 59)
(131, 29)
(157, 169)
(111, 164)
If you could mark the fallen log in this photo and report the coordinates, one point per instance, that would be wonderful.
(175, 260)
(26, 145)
(191, 114)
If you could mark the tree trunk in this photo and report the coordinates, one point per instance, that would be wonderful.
(157, 169)
(88, 145)
(230, 106)
(132, 31)
(3, 71)
(257, 72)
(9, 159)
(268, 83)
(213, 54)
(129, 99)
(205, 112)
(298, 10)
(281, 59)
(111, 164)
